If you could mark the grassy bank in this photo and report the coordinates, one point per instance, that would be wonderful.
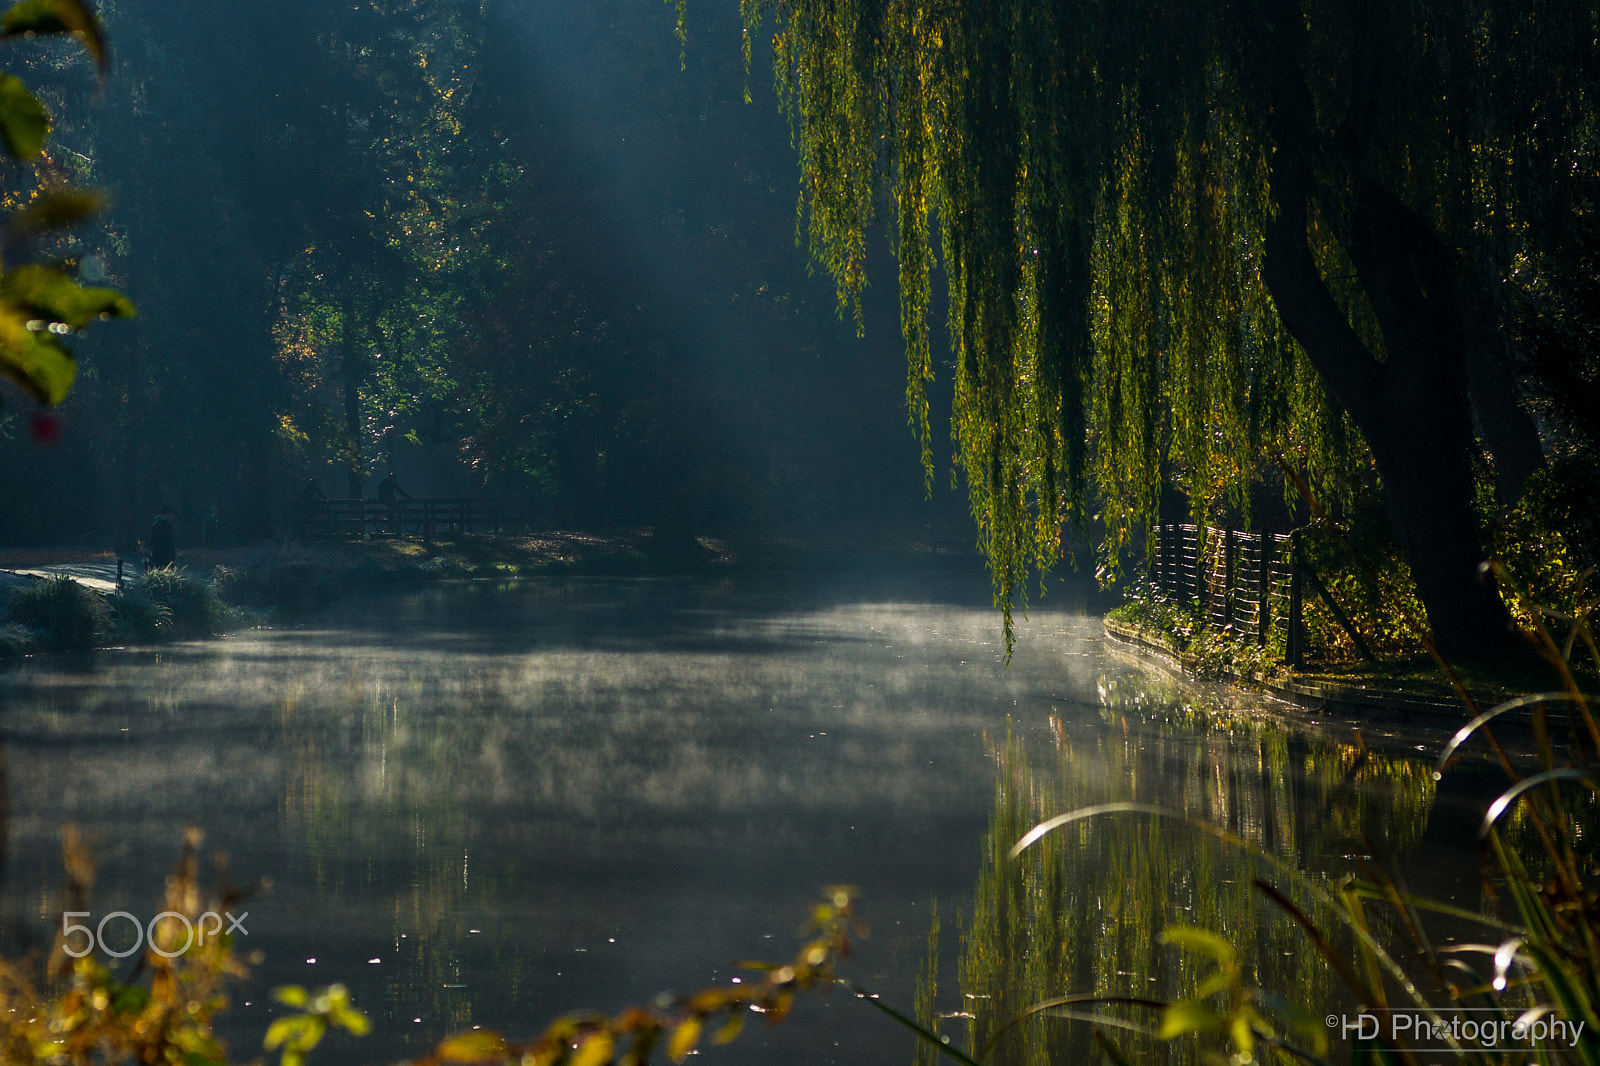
(1179, 629)
(60, 614)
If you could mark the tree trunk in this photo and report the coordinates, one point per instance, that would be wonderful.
(350, 365)
(1412, 407)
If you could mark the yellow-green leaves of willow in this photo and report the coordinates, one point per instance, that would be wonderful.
(1097, 216)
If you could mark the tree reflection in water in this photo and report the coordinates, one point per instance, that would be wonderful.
(1081, 911)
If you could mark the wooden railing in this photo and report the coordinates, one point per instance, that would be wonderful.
(413, 518)
(1246, 584)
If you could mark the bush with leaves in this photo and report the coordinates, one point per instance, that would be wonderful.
(16, 640)
(139, 617)
(161, 1012)
(63, 614)
(191, 606)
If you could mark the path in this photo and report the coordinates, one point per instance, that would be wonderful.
(97, 575)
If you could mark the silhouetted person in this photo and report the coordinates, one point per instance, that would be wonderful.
(390, 494)
(389, 490)
(306, 505)
(163, 546)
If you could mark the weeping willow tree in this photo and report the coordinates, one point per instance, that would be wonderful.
(1184, 238)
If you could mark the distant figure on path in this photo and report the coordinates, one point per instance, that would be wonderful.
(163, 546)
(390, 494)
(389, 490)
(306, 509)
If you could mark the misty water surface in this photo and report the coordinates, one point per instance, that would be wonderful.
(488, 805)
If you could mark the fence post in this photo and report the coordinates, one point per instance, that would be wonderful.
(1228, 547)
(1161, 558)
(1296, 636)
(1264, 590)
(1191, 563)
(1168, 564)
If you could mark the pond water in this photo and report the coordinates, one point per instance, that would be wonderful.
(488, 805)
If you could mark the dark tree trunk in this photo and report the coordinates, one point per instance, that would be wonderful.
(1412, 407)
(350, 365)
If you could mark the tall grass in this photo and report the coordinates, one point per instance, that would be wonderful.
(191, 607)
(63, 615)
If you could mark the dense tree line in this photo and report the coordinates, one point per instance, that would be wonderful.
(509, 249)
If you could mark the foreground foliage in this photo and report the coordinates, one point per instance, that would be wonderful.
(40, 303)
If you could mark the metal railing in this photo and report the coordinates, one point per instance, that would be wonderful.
(425, 518)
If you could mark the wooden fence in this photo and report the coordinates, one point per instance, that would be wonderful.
(1246, 584)
(413, 518)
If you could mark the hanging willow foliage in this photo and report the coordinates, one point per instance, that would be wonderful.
(1095, 180)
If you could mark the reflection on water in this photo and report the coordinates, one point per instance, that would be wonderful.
(1081, 911)
(485, 806)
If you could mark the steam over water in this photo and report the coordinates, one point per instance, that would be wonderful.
(491, 805)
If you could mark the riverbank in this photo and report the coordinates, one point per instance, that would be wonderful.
(1413, 689)
(283, 579)
(257, 571)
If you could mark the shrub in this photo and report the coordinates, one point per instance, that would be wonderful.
(138, 616)
(192, 606)
(65, 615)
(446, 566)
(16, 640)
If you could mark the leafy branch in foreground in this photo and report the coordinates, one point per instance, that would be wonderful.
(632, 1036)
(39, 303)
(161, 1011)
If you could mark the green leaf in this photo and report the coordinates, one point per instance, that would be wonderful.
(1188, 1016)
(1200, 941)
(282, 1029)
(471, 1047)
(1244, 1039)
(34, 360)
(63, 207)
(684, 1038)
(351, 1020)
(292, 995)
(596, 1051)
(730, 1029)
(24, 123)
(51, 295)
(130, 999)
(312, 1036)
(57, 16)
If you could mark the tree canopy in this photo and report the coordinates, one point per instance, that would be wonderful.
(514, 249)
(1182, 238)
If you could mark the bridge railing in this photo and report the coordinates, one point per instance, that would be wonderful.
(1247, 584)
(425, 518)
